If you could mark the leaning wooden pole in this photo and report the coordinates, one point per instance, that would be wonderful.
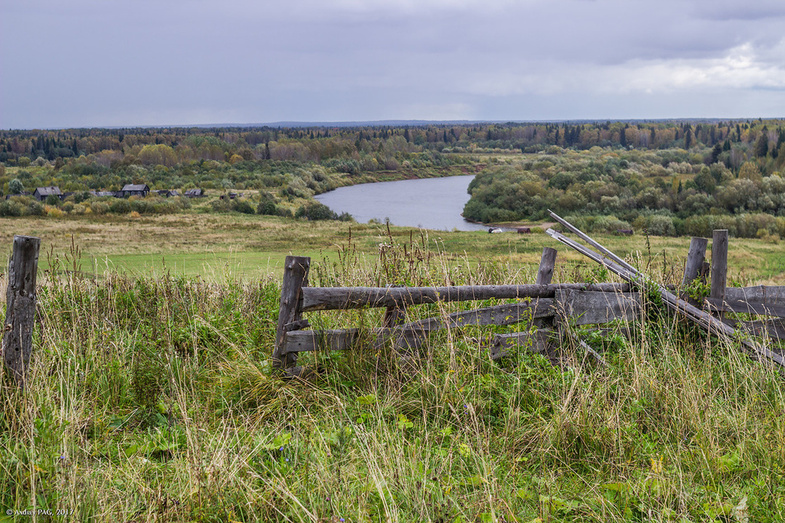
(20, 307)
(629, 273)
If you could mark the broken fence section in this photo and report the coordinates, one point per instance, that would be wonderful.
(552, 310)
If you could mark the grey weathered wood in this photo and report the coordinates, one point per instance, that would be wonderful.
(412, 335)
(395, 314)
(20, 307)
(537, 342)
(297, 325)
(547, 263)
(694, 265)
(589, 308)
(330, 298)
(719, 263)
(295, 277)
(506, 314)
(748, 307)
(696, 315)
(759, 293)
(333, 339)
(588, 239)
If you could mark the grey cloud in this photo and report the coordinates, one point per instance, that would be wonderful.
(96, 62)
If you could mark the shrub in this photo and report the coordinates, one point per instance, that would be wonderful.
(120, 206)
(659, 225)
(316, 211)
(243, 206)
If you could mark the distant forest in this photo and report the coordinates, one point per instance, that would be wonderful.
(665, 176)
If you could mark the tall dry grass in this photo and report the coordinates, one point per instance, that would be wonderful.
(152, 399)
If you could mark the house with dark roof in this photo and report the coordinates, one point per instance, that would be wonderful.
(133, 189)
(194, 193)
(42, 193)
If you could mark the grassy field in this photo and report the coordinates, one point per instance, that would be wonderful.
(241, 246)
(151, 397)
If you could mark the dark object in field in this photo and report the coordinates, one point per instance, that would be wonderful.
(625, 232)
(524, 230)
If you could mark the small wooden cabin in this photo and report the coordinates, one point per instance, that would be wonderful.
(42, 193)
(133, 189)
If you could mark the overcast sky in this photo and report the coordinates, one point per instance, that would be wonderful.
(94, 63)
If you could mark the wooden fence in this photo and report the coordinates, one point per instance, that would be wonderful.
(552, 308)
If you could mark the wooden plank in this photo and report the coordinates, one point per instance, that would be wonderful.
(506, 314)
(412, 335)
(330, 298)
(295, 277)
(334, 339)
(20, 307)
(759, 294)
(536, 342)
(589, 308)
(747, 307)
(719, 264)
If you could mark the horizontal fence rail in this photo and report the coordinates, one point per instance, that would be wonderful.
(331, 298)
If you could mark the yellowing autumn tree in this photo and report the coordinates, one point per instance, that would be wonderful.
(160, 154)
(750, 171)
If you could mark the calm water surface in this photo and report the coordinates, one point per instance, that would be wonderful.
(432, 203)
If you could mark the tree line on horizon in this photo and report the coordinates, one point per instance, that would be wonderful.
(177, 145)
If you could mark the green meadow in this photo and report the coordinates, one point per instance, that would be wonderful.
(151, 397)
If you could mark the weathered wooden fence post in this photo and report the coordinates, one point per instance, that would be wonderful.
(547, 263)
(20, 307)
(395, 314)
(295, 277)
(544, 277)
(719, 263)
(694, 266)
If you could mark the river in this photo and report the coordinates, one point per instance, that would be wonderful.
(429, 203)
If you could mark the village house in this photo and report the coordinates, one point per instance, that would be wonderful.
(132, 189)
(194, 193)
(42, 193)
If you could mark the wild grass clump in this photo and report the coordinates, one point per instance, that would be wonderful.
(154, 399)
